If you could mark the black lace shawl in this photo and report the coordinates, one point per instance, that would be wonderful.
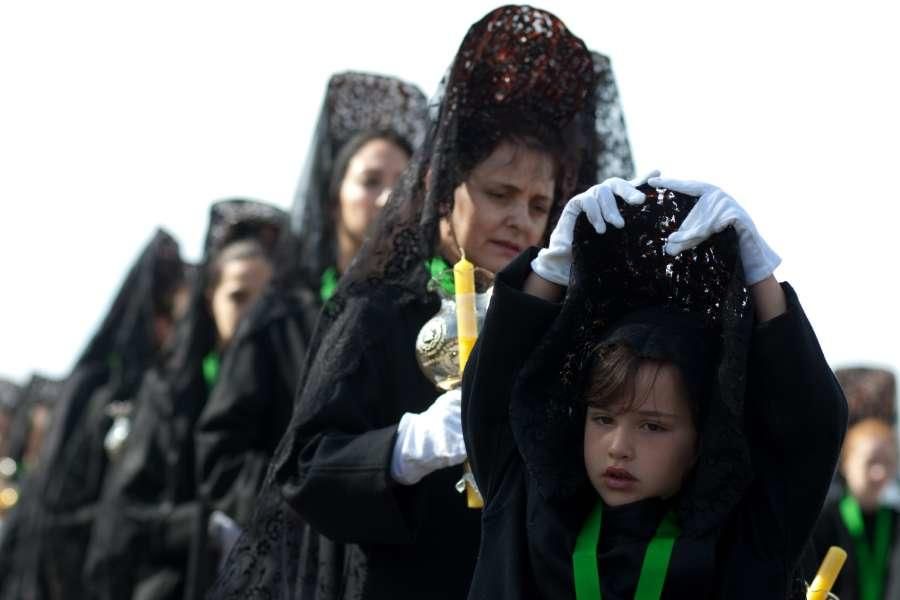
(354, 102)
(516, 60)
(614, 275)
(147, 501)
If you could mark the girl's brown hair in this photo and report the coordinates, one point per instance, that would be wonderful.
(611, 380)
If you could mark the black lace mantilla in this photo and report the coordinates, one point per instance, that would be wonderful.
(354, 103)
(615, 274)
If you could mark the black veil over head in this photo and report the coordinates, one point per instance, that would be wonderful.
(519, 72)
(230, 220)
(355, 103)
(125, 339)
(612, 150)
(116, 358)
(626, 289)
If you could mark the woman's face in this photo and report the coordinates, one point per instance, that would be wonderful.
(868, 465)
(371, 174)
(502, 207)
(645, 451)
(164, 324)
(241, 282)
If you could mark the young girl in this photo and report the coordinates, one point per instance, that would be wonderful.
(858, 521)
(664, 432)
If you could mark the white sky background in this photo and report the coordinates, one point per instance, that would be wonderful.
(116, 117)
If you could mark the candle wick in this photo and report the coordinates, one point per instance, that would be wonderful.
(462, 252)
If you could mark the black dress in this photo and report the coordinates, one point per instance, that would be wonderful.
(400, 540)
(795, 417)
(251, 404)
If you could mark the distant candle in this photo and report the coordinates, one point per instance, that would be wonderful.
(828, 572)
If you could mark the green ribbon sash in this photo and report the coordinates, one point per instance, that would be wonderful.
(441, 272)
(211, 364)
(328, 284)
(871, 562)
(652, 577)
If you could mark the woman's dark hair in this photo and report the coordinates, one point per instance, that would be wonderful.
(486, 130)
(349, 150)
(611, 381)
(239, 249)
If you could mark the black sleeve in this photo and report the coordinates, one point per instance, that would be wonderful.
(246, 415)
(796, 416)
(515, 323)
(336, 474)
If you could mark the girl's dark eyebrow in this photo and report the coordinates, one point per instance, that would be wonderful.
(656, 413)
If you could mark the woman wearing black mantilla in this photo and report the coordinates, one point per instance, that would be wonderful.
(366, 132)
(374, 450)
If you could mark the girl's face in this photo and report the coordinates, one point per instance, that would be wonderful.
(502, 207)
(241, 282)
(371, 174)
(645, 451)
(868, 465)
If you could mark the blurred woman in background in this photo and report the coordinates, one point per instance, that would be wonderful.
(363, 141)
(141, 537)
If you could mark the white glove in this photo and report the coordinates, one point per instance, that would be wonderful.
(554, 263)
(224, 533)
(430, 440)
(715, 210)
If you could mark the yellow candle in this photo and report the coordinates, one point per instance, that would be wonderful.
(828, 572)
(466, 327)
(467, 333)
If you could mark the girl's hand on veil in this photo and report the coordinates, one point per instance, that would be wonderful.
(554, 263)
(715, 210)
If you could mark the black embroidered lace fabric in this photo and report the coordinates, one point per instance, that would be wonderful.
(614, 275)
(354, 103)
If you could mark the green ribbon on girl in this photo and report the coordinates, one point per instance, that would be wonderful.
(652, 577)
